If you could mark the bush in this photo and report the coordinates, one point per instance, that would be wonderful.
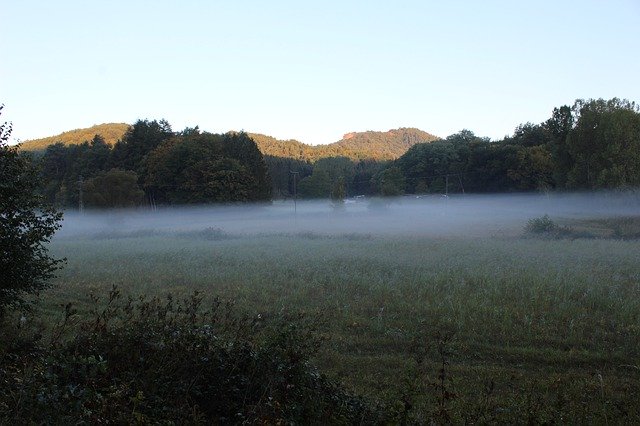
(153, 360)
(547, 228)
(541, 225)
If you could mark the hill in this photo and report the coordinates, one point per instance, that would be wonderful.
(387, 145)
(111, 132)
(381, 145)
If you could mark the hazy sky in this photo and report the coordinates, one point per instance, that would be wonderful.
(311, 70)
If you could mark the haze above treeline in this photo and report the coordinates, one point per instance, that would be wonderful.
(592, 144)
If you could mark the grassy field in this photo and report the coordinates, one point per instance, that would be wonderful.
(476, 329)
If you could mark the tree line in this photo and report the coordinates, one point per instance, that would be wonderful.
(152, 164)
(594, 144)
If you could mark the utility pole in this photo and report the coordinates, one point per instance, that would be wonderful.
(460, 179)
(295, 191)
(152, 201)
(446, 186)
(80, 195)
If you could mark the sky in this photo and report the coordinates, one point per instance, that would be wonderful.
(311, 70)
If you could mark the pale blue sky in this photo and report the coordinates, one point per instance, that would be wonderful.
(311, 70)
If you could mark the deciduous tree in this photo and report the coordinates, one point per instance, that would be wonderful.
(26, 226)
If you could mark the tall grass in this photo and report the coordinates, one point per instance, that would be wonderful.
(533, 324)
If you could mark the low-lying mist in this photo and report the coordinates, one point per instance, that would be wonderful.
(430, 215)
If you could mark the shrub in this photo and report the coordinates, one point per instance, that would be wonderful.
(541, 225)
(546, 228)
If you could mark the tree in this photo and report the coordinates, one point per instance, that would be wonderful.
(26, 225)
(206, 168)
(61, 167)
(604, 144)
(317, 185)
(391, 182)
(338, 192)
(280, 170)
(115, 188)
(144, 136)
(326, 173)
(534, 169)
(241, 147)
(558, 128)
(426, 165)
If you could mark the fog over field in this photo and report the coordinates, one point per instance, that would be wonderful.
(429, 216)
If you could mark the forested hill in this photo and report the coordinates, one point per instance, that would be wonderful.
(110, 132)
(368, 145)
(382, 145)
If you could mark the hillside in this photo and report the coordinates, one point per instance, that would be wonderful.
(383, 145)
(291, 148)
(357, 146)
(111, 132)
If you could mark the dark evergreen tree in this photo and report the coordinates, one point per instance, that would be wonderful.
(144, 136)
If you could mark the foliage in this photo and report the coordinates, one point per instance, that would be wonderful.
(541, 225)
(26, 226)
(391, 182)
(370, 145)
(327, 173)
(111, 132)
(426, 166)
(63, 167)
(283, 171)
(186, 167)
(338, 192)
(558, 128)
(171, 361)
(115, 188)
(380, 146)
(533, 170)
(593, 144)
(545, 227)
(144, 136)
(604, 144)
(204, 167)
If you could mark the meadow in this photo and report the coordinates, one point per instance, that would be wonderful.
(482, 326)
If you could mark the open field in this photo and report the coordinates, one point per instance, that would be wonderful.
(528, 328)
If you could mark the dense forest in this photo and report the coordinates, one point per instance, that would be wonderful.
(356, 158)
(152, 164)
(594, 144)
